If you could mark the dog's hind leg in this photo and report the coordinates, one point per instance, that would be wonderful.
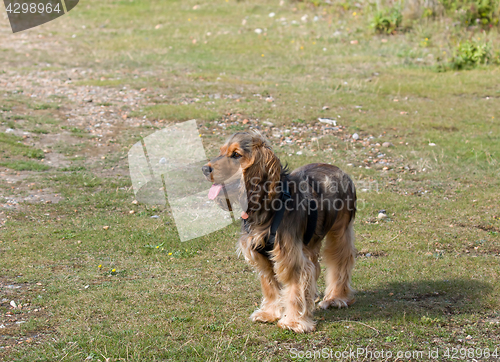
(339, 254)
(313, 254)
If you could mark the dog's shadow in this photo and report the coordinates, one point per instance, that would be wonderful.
(435, 299)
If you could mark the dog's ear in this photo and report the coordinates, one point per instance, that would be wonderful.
(264, 167)
(271, 164)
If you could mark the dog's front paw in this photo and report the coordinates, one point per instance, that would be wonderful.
(337, 302)
(265, 315)
(298, 326)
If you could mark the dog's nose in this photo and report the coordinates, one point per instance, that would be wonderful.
(206, 170)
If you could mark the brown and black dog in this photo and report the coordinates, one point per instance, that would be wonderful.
(248, 170)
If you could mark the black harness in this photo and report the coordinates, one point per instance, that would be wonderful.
(312, 219)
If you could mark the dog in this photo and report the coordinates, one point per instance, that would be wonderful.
(247, 170)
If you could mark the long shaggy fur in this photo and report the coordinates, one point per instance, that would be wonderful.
(249, 169)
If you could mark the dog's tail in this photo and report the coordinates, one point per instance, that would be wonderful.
(351, 196)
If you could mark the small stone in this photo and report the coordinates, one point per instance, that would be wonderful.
(387, 144)
(155, 217)
(432, 144)
(13, 304)
(105, 227)
(267, 123)
(368, 255)
(258, 31)
(131, 212)
(299, 152)
(162, 161)
(355, 136)
(9, 130)
(134, 202)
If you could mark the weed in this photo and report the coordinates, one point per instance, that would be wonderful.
(470, 54)
(431, 321)
(474, 12)
(387, 20)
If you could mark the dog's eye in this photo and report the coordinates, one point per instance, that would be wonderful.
(235, 155)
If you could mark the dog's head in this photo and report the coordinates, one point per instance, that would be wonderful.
(246, 161)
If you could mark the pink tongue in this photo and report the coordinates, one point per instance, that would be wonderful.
(214, 191)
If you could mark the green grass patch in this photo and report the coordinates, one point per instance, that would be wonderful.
(21, 165)
(44, 106)
(178, 113)
(11, 145)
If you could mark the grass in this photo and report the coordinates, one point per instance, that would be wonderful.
(176, 112)
(20, 165)
(431, 281)
(17, 156)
